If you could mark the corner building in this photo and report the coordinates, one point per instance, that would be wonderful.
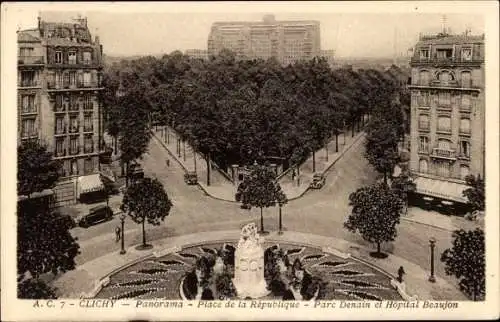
(447, 116)
(288, 41)
(59, 80)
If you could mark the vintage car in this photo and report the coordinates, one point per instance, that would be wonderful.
(96, 215)
(191, 178)
(318, 181)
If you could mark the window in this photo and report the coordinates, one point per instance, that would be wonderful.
(465, 149)
(423, 122)
(58, 57)
(72, 57)
(444, 99)
(73, 168)
(423, 144)
(444, 54)
(87, 103)
(424, 53)
(87, 57)
(424, 99)
(73, 146)
(59, 107)
(26, 51)
(444, 144)
(28, 103)
(443, 169)
(73, 121)
(66, 80)
(60, 125)
(88, 166)
(28, 128)
(28, 78)
(445, 78)
(424, 78)
(60, 150)
(87, 123)
(72, 78)
(88, 144)
(466, 54)
(464, 171)
(465, 102)
(422, 166)
(465, 126)
(59, 79)
(444, 124)
(87, 79)
(466, 80)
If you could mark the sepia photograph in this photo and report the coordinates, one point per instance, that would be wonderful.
(249, 160)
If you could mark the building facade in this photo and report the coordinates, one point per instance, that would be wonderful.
(59, 80)
(288, 41)
(447, 114)
(197, 53)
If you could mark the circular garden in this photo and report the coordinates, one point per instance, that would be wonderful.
(292, 272)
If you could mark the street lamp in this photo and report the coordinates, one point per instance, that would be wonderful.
(280, 230)
(432, 244)
(122, 218)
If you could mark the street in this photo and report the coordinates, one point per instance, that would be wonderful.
(320, 212)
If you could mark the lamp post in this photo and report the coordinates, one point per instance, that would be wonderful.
(122, 218)
(432, 244)
(280, 230)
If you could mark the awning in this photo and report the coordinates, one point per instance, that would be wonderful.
(441, 189)
(90, 183)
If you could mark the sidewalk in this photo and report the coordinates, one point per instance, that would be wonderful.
(86, 279)
(222, 188)
(436, 219)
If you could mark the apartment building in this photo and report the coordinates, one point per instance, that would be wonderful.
(59, 80)
(288, 41)
(197, 53)
(447, 115)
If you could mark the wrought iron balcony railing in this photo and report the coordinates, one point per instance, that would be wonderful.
(444, 154)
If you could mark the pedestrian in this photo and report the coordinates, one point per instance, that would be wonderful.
(168, 162)
(118, 233)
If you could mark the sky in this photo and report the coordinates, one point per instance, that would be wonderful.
(352, 31)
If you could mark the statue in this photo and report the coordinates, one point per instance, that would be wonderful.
(249, 264)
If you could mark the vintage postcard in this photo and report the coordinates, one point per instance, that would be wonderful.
(249, 160)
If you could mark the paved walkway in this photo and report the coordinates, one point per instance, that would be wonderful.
(86, 278)
(221, 184)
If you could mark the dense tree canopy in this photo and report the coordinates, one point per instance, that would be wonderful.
(44, 244)
(466, 260)
(146, 200)
(260, 189)
(237, 111)
(376, 211)
(36, 169)
(475, 193)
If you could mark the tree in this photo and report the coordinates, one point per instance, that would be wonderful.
(381, 147)
(36, 169)
(146, 200)
(33, 289)
(376, 211)
(259, 189)
(44, 241)
(475, 192)
(403, 185)
(466, 260)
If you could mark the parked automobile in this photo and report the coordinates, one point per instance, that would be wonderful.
(245, 206)
(191, 178)
(96, 215)
(318, 181)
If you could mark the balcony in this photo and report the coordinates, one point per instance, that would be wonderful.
(30, 109)
(60, 153)
(74, 129)
(84, 64)
(89, 149)
(89, 129)
(74, 151)
(30, 60)
(465, 132)
(443, 154)
(60, 130)
(445, 61)
(27, 83)
(63, 86)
